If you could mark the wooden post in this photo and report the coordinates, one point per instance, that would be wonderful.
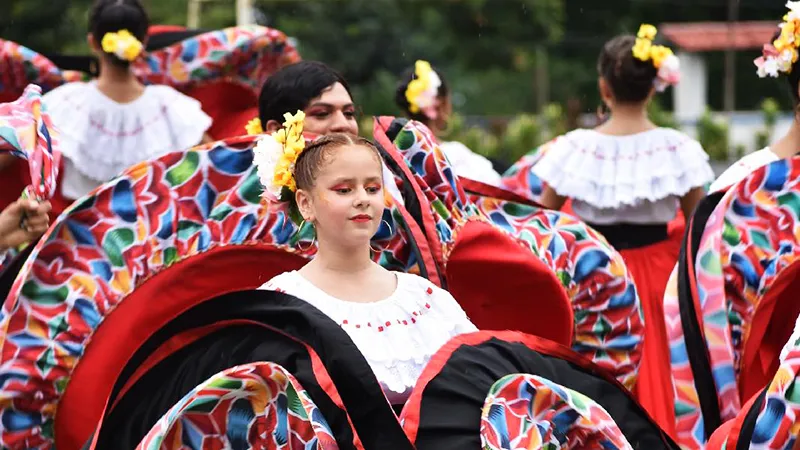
(730, 58)
(244, 12)
(542, 77)
(193, 14)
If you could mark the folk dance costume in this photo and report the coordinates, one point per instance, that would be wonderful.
(628, 189)
(100, 137)
(742, 168)
(397, 335)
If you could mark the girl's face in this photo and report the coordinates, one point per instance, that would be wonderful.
(444, 109)
(346, 202)
(332, 112)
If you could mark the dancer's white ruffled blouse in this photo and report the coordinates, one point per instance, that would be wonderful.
(636, 178)
(397, 335)
(100, 138)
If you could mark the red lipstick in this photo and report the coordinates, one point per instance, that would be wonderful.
(361, 218)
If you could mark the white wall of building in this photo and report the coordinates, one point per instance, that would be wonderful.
(691, 93)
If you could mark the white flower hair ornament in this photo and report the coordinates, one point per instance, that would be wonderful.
(779, 56)
(275, 155)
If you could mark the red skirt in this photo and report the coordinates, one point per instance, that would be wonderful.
(651, 267)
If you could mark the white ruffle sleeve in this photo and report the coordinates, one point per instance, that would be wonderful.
(614, 171)
(100, 137)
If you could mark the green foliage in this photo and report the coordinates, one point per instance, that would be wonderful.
(511, 140)
(739, 151)
(480, 141)
(762, 138)
(485, 48)
(40, 25)
(770, 109)
(61, 26)
(522, 134)
(479, 46)
(554, 120)
(712, 133)
(661, 117)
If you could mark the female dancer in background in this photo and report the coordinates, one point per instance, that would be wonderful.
(423, 95)
(626, 178)
(114, 122)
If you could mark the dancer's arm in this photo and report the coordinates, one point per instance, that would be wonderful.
(23, 221)
(690, 200)
(551, 200)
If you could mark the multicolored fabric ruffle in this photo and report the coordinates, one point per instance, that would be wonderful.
(258, 405)
(531, 412)
(27, 132)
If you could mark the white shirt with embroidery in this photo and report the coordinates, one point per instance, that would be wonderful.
(397, 335)
(100, 138)
(742, 168)
(632, 179)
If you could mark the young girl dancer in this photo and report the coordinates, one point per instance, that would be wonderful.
(626, 179)
(397, 320)
(423, 95)
(773, 63)
(114, 122)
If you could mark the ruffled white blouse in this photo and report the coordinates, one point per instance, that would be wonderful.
(397, 335)
(634, 179)
(100, 137)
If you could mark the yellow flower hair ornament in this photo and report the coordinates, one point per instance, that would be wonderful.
(122, 44)
(254, 127)
(782, 53)
(423, 90)
(275, 154)
(662, 58)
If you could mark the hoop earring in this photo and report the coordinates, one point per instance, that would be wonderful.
(390, 233)
(313, 241)
(388, 225)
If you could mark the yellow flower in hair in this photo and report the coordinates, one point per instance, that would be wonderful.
(422, 90)
(109, 42)
(659, 54)
(292, 120)
(641, 49)
(122, 44)
(647, 31)
(275, 156)
(280, 136)
(254, 127)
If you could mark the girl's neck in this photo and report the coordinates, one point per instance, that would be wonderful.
(118, 83)
(348, 262)
(789, 144)
(626, 120)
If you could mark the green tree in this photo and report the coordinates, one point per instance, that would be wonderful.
(480, 46)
